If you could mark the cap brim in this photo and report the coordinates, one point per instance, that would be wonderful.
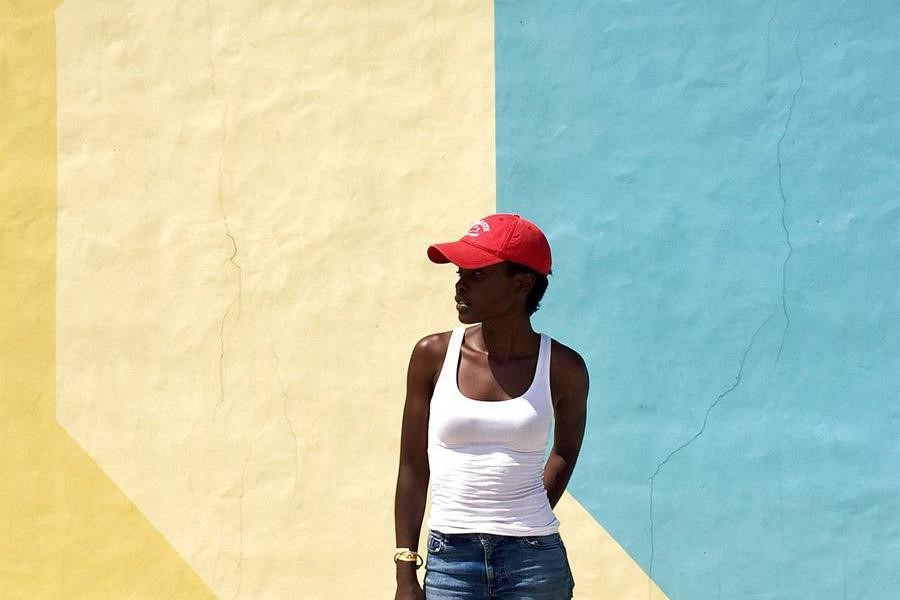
(462, 255)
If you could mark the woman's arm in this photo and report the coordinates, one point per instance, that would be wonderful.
(413, 474)
(569, 383)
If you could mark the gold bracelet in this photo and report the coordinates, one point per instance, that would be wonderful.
(407, 555)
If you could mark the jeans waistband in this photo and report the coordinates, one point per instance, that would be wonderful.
(482, 536)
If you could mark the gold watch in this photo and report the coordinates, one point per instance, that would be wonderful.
(407, 555)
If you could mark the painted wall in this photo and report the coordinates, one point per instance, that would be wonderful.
(720, 184)
(213, 228)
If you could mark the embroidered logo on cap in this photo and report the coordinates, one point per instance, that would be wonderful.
(478, 228)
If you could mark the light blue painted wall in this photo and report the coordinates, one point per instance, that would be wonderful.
(719, 182)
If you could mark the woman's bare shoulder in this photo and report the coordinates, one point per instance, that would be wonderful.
(426, 362)
(432, 348)
(569, 378)
(566, 361)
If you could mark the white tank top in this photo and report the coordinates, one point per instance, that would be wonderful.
(487, 457)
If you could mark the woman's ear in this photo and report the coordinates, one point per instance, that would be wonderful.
(524, 282)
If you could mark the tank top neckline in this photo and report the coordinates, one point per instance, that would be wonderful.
(455, 364)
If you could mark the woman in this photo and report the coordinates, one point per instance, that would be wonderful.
(477, 422)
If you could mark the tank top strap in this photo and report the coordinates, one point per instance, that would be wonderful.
(542, 371)
(451, 359)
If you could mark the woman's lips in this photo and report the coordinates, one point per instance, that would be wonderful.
(461, 304)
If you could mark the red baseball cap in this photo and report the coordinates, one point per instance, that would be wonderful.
(495, 239)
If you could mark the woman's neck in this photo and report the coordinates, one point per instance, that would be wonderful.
(507, 338)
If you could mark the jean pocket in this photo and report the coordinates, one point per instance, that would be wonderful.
(541, 542)
(435, 542)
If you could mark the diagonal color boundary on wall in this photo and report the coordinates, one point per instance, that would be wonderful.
(66, 530)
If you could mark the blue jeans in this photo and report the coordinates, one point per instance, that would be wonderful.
(484, 566)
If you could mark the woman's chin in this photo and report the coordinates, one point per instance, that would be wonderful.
(465, 316)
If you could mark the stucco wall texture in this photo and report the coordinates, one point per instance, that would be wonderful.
(213, 227)
(233, 203)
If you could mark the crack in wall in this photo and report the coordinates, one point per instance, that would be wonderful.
(239, 569)
(220, 196)
(787, 233)
(287, 419)
(223, 141)
(240, 290)
(222, 356)
(240, 276)
(691, 440)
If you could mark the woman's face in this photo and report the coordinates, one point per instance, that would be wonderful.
(486, 293)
